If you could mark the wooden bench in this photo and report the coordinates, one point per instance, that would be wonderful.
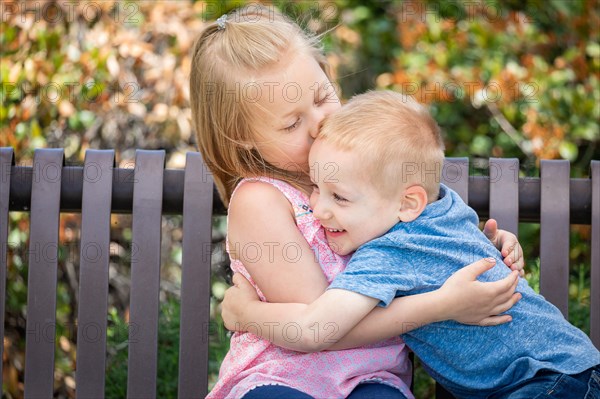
(148, 191)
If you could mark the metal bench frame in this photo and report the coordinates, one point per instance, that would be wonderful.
(148, 191)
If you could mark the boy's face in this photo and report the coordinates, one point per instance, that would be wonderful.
(350, 209)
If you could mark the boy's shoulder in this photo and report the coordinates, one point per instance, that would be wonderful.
(448, 202)
(449, 212)
(385, 244)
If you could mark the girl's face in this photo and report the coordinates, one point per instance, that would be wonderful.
(293, 97)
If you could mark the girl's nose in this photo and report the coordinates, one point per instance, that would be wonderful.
(317, 118)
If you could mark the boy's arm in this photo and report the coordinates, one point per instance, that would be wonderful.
(295, 326)
(462, 298)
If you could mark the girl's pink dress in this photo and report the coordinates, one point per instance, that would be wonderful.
(253, 361)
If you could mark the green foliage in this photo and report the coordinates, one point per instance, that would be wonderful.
(168, 352)
(423, 384)
(502, 79)
(117, 335)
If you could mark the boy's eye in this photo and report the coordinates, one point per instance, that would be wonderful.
(293, 125)
(338, 198)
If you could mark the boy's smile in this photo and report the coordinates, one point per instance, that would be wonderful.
(333, 233)
(349, 208)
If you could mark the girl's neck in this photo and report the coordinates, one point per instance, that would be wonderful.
(303, 185)
(300, 181)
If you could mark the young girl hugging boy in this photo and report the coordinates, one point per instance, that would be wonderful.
(385, 147)
(259, 89)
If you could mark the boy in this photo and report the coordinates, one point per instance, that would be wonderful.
(376, 167)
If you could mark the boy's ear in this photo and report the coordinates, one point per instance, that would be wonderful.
(412, 203)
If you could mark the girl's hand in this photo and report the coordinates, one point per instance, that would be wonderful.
(474, 302)
(507, 244)
(235, 301)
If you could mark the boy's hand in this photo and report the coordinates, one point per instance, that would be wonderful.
(236, 299)
(507, 244)
(469, 301)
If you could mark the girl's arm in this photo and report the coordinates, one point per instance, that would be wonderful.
(262, 233)
(508, 245)
(324, 323)
(299, 327)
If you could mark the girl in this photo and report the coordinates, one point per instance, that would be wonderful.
(259, 90)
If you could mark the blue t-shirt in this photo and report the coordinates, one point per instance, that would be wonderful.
(470, 361)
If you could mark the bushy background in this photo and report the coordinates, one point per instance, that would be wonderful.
(503, 79)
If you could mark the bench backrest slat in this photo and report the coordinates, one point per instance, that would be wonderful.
(145, 274)
(7, 160)
(554, 233)
(43, 261)
(195, 279)
(93, 273)
(455, 174)
(595, 266)
(504, 193)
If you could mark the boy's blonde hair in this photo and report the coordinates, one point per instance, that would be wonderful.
(396, 138)
(250, 40)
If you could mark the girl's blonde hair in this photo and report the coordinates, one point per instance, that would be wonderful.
(250, 39)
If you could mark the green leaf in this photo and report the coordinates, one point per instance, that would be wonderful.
(87, 118)
(21, 130)
(481, 145)
(568, 150)
(361, 13)
(593, 50)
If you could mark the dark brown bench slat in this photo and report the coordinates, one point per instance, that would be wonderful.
(7, 160)
(595, 272)
(504, 193)
(93, 274)
(145, 274)
(195, 279)
(554, 233)
(455, 174)
(43, 261)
